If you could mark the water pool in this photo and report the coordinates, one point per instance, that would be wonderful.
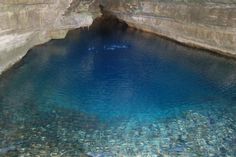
(116, 91)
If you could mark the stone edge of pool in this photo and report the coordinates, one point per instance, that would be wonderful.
(209, 24)
(28, 23)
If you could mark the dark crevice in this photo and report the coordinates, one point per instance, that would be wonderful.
(108, 22)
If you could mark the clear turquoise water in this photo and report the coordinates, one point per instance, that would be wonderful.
(118, 93)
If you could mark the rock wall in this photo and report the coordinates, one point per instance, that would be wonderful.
(25, 23)
(209, 24)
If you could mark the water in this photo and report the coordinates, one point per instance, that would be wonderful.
(116, 91)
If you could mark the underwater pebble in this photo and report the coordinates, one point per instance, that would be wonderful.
(190, 135)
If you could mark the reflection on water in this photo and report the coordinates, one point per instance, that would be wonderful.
(118, 93)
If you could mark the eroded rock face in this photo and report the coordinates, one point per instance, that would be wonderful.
(209, 24)
(25, 23)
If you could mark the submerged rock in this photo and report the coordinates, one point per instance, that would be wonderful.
(5, 150)
(104, 154)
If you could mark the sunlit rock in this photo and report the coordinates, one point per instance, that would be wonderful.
(25, 23)
(209, 24)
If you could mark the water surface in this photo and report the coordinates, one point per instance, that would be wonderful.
(116, 91)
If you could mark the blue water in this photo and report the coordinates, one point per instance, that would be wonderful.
(110, 91)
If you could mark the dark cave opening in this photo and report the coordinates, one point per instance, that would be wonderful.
(108, 22)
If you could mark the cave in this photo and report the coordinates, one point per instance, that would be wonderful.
(116, 79)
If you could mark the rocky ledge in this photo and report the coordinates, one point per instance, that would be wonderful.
(208, 24)
(26, 23)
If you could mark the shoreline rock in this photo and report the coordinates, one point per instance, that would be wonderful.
(207, 24)
(29, 23)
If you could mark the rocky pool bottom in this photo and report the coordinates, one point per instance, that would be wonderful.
(63, 132)
(112, 91)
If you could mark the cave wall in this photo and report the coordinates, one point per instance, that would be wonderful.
(209, 24)
(26, 23)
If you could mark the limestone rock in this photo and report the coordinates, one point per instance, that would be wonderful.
(209, 24)
(25, 23)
